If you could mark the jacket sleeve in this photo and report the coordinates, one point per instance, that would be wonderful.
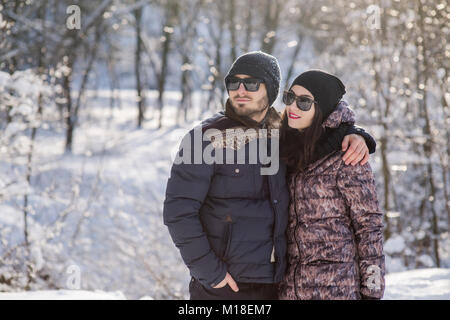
(186, 190)
(332, 138)
(370, 142)
(357, 185)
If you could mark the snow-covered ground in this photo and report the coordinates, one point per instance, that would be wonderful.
(422, 284)
(418, 284)
(63, 295)
(98, 211)
(97, 219)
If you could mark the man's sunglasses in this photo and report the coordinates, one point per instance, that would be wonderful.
(303, 102)
(250, 84)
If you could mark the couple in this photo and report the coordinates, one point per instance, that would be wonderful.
(312, 230)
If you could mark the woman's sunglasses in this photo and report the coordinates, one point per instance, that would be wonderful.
(303, 102)
(250, 84)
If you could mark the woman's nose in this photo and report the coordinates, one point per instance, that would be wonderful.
(293, 109)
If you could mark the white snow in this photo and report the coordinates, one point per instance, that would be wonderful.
(63, 295)
(394, 264)
(421, 284)
(99, 209)
(396, 244)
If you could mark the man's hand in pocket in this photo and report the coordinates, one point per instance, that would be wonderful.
(228, 280)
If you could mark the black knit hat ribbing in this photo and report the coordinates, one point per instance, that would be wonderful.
(326, 88)
(259, 65)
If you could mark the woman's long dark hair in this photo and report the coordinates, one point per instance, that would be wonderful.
(297, 147)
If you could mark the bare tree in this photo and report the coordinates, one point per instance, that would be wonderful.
(138, 65)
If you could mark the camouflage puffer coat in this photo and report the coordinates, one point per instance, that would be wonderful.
(335, 230)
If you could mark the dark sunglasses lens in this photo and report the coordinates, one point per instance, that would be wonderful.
(251, 86)
(233, 85)
(304, 103)
(288, 98)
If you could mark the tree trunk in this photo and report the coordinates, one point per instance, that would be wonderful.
(67, 79)
(384, 149)
(172, 12)
(185, 92)
(294, 59)
(137, 66)
(273, 9)
(249, 29)
(232, 28)
(422, 80)
(218, 40)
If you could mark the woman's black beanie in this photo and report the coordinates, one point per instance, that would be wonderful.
(326, 88)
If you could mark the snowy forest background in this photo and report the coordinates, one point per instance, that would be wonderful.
(90, 118)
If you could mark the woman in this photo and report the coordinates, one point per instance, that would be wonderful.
(335, 246)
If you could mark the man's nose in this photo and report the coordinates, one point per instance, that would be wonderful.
(241, 90)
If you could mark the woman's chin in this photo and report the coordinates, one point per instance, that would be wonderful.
(293, 125)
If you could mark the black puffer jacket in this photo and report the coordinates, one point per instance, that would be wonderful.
(229, 217)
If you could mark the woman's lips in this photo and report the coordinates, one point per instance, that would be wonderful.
(293, 116)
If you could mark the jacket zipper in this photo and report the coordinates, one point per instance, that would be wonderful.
(295, 235)
(273, 254)
(227, 242)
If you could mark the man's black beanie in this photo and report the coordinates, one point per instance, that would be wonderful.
(258, 64)
(326, 88)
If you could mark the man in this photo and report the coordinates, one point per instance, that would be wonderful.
(229, 220)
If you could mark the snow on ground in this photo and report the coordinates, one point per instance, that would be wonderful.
(421, 284)
(63, 295)
(111, 189)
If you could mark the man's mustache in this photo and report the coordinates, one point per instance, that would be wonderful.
(245, 97)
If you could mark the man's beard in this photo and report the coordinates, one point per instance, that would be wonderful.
(243, 110)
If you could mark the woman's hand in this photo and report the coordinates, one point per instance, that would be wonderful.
(357, 151)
